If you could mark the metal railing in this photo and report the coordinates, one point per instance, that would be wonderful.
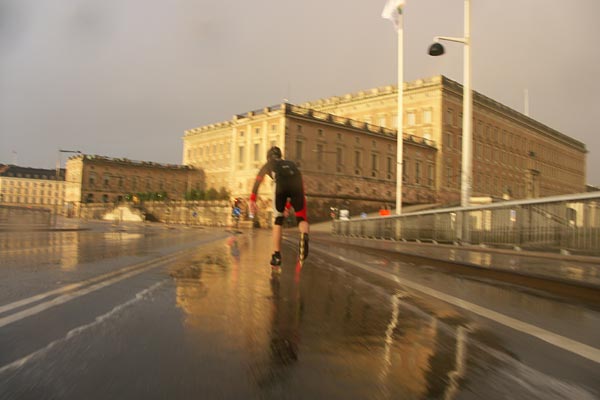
(569, 224)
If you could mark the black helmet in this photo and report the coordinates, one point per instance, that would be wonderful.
(273, 153)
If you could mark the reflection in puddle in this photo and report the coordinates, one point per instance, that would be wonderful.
(323, 332)
(69, 250)
(480, 258)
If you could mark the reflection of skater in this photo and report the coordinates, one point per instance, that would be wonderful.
(285, 326)
(288, 185)
(234, 249)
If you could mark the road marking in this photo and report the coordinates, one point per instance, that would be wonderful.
(80, 329)
(74, 286)
(562, 342)
(121, 275)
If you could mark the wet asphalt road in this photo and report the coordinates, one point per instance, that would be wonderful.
(144, 312)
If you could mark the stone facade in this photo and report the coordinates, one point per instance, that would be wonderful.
(513, 155)
(32, 187)
(340, 158)
(193, 213)
(98, 179)
(346, 148)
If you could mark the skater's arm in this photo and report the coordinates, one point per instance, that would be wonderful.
(258, 181)
(259, 178)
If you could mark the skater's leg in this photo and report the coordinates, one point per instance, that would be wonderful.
(279, 204)
(299, 204)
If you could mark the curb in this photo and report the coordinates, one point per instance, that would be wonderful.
(584, 270)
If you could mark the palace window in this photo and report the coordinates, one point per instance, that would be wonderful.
(448, 140)
(339, 156)
(299, 149)
(427, 116)
(257, 152)
(374, 162)
(357, 158)
(430, 177)
(450, 117)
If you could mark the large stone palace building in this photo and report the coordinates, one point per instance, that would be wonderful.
(512, 153)
(346, 148)
(342, 160)
(99, 179)
(32, 187)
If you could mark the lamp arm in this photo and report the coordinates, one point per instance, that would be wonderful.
(450, 39)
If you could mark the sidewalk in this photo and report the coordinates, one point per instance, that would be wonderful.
(574, 270)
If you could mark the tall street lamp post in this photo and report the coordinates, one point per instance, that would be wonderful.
(436, 49)
(394, 12)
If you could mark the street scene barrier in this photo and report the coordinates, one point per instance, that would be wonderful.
(566, 224)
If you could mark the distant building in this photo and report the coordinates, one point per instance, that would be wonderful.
(99, 179)
(346, 148)
(32, 187)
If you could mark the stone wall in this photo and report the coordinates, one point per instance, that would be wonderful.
(12, 217)
(206, 213)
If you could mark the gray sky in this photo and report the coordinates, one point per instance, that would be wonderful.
(125, 78)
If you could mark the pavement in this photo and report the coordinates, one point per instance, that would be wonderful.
(576, 270)
(182, 313)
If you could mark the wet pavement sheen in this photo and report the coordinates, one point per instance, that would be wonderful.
(217, 323)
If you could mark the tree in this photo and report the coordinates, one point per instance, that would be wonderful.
(212, 194)
(223, 194)
(195, 195)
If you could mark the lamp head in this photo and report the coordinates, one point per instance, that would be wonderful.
(436, 49)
